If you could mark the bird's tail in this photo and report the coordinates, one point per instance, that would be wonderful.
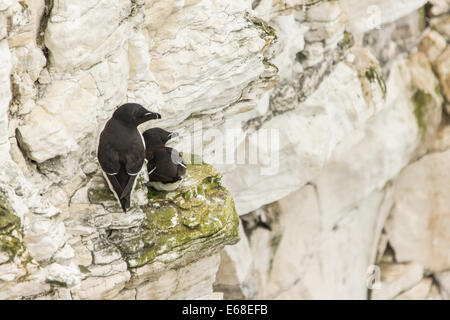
(127, 182)
(125, 203)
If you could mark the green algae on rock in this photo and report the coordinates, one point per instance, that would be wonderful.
(10, 242)
(198, 216)
(100, 195)
(372, 74)
(422, 102)
(263, 25)
(426, 98)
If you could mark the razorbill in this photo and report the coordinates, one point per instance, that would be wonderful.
(121, 149)
(165, 165)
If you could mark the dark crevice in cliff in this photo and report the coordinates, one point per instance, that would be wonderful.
(40, 39)
(21, 147)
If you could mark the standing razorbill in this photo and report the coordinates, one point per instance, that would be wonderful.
(121, 149)
(165, 165)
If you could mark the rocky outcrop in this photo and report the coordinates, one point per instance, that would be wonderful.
(171, 238)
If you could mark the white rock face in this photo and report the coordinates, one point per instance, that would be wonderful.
(353, 189)
(422, 195)
(443, 279)
(191, 282)
(334, 132)
(101, 287)
(60, 118)
(81, 34)
(189, 62)
(433, 44)
(443, 70)
(45, 237)
(5, 97)
(236, 275)
(396, 279)
(419, 292)
(307, 137)
(369, 14)
(348, 204)
(68, 275)
(439, 7)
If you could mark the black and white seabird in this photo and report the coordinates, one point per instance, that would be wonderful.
(121, 149)
(165, 165)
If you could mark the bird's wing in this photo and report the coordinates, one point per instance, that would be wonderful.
(163, 167)
(108, 158)
(133, 164)
(134, 161)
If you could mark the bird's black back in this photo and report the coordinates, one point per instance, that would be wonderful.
(120, 144)
(121, 152)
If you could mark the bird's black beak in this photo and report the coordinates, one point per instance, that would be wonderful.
(152, 116)
(146, 115)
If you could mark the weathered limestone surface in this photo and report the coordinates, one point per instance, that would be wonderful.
(443, 280)
(422, 196)
(346, 204)
(396, 279)
(367, 15)
(419, 292)
(236, 276)
(322, 121)
(300, 257)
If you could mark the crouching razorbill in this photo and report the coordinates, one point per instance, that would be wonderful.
(165, 165)
(121, 149)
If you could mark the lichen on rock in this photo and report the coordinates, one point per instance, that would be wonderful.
(199, 215)
(373, 75)
(10, 243)
(425, 96)
(99, 195)
(421, 101)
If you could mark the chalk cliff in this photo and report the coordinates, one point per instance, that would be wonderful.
(327, 120)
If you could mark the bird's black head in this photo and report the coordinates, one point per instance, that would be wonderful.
(157, 136)
(134, 114)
